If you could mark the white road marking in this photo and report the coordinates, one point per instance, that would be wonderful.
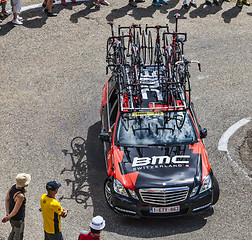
(223, 143)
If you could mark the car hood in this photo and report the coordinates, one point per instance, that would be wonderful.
(162, 166)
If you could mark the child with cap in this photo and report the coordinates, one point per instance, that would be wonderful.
(52, 212)
(15, 206)
(96, 226)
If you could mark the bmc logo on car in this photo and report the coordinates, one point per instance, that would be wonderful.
(144, 161)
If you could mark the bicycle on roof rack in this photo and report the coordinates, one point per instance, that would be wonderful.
(150, 78)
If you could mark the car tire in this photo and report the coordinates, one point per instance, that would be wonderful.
(108, 192)
(216, 190)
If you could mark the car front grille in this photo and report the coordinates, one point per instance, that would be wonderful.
(164, 196)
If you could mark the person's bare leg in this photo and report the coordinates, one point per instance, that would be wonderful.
(49, 5)
(15, 16)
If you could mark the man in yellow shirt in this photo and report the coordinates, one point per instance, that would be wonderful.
(52, 212)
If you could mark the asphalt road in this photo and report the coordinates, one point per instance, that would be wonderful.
(52, 74)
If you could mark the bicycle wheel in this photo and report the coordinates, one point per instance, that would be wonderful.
(110, 52)
(125, 50)
(178, 53)
(165, 41)
(138, 44)
(150, 48)
(143, 48)
(158, 55)
(78, 144)
(173, 61)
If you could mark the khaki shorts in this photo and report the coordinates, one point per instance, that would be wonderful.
(16, 5)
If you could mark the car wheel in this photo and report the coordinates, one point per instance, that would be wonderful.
(107, 192)
(216, 190)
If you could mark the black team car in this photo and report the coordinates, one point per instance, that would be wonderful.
(155, 158)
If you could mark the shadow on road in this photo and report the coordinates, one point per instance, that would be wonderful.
(139, 12)
(89, 173)
(230, 14)
(84, 13)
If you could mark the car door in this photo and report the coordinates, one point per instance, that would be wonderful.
(109, 111)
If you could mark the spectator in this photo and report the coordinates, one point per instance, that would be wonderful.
(3, 5)
(192, 3)
(158, 3)
(15, 202)
(16, 7)
(208, 2)
(52, 212)
(65, 3)
(96, 226)
(134, 3)
(239, 3)
(99, 3)
(48, 4)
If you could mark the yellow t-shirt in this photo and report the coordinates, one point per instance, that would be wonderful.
(51, 211)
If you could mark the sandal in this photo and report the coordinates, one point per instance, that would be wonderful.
(4, 12)
(97, 4)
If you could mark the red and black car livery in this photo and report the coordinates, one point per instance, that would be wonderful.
(155, 158)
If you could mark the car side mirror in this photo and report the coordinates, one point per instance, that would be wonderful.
(203, 133)
(104, 137)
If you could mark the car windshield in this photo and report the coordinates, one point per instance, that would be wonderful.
(155, 128)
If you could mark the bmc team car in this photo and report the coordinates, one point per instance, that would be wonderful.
(155, 159)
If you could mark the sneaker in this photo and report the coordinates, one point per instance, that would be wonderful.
(132, 3)
(246, 2)
(43, 5)
(19, 18)
(193, 4)
(63, 2)
(104, 3)
(208, 2)
(45, 10)
(156, 4)
(163, 2)
(16, 22)
(185, 6)
(239, 3)
(51, 14)
(216, 2)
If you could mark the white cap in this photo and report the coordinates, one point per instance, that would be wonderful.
(97, 223)
(23, 179)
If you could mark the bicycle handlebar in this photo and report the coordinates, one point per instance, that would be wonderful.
(156, 27)
(186, 62)
(130, 27)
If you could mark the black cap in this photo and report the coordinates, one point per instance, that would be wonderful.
(53, 185)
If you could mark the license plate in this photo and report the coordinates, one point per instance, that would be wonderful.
(165, 209)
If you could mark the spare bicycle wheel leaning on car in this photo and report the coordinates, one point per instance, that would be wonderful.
(155, 158)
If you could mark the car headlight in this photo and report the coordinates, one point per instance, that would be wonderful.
(207, 184)
(194, 191)
(119, 188)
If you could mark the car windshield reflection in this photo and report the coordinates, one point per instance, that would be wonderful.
(164, 128)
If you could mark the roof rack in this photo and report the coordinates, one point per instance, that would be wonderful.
(150, 77)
